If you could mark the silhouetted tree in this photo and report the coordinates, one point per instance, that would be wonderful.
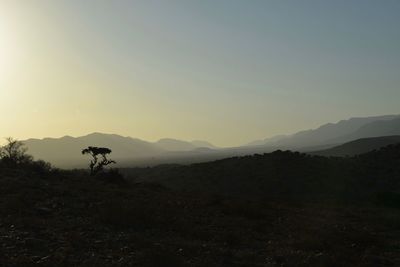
(96, 165)
(14, 152)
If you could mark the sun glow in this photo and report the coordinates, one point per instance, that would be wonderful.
(6, 49)
(4, 54)
(8, 46)
(8, 57)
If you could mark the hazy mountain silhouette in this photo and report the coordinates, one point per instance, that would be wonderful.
(324, 137)
(127, 151)
(359, 146)
(175, 145)
(65, 151)
(170, 144)
(267, 140)
(337, 133)
(372, 129)
(203, 144)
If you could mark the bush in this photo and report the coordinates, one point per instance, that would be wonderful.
(40, 166)
(13, 156)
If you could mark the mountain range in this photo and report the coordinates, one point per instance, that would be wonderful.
(170, 144)
(64, 152)
(337, 133)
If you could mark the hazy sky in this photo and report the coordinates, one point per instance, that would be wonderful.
(225, 71)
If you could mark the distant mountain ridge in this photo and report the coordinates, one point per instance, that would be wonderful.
(373, 129)
(337, 133)
(65, 152)
(175, 145)
(171, 144)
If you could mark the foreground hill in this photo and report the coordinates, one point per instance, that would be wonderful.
(284, 174)
(359, 146)
(67, 218)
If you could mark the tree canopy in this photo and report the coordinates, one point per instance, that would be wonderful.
(97, 164)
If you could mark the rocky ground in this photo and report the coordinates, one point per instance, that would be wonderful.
(70, 219)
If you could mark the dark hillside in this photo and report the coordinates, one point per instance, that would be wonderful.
(277, 173)
(358, 146)
(308, 211)
(70, 219)
(285, 174)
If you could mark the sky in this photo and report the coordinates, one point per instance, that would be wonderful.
(225, 71)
